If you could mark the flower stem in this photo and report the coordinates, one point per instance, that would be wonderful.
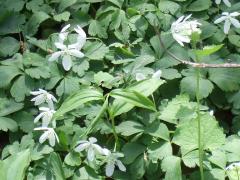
(114, 133)
(200, 150)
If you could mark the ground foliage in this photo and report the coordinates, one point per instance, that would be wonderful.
(152, 122)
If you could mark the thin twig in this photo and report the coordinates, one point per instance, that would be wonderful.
(193, 64)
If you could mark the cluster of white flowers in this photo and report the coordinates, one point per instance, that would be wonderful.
(141, 76)
(66, 52)
(182, 29)
(92, 149)
(46, 114)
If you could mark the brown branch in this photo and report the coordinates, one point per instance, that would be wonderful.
(193, 64)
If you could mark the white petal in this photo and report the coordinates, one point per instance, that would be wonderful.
(157, 74)
(46, 120)
(179, 20)
(76, 53)
(38, 117)
(106, 152)
(41, 129)
(226, 27)
(55, 56)
(120, 165)
(92, 140)
(60, 45)
(38, 99)
(109, 169)
(223, 18)
(35, 92)
(56, 136)
(81, 147)
(234, 14)
(50, 103)
(98, 148)
(217, 1)
(90, 154)
(227, 3)
(80, 31)
(44, 109)
(140, 77)
(67, 62)
(235, 22)
(51, 139)
(65, 28)
(43, 137)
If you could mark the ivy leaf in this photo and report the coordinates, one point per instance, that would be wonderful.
(189, 86)
(8, 124)
(172, 166)
(225, 78)
(186, 134)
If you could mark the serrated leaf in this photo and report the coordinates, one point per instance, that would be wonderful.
(8, 106)
(172, 166)
(159, 150)
(96, 29)
(166, 6)
(9, 46)
(212, 135)
(62, 17)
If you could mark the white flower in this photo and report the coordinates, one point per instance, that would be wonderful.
(112, 161)
(66, 51)
(211, 112)
(226, 2)
(229, 19)
(156, 75)
(48, 134)
(182, 29)
(43, 96)
(46, 116)
(233, 166)
(90, 147)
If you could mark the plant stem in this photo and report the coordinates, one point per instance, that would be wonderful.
(200, 150)
(115, 134)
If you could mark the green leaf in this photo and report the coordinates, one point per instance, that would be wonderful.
(199, 5)
(56, 166)
(7, 124)
(172, 166)
(80, 67)
(85, 173)
(14, 167)
(97, 29)
(76, 100)
(9, 46)
(166, 6)
(67, 86)
(158, 129)
(137, 168)
(24, 120)
(189, 86)
(118, 3)
(159, 150)
(65, 4)
(104, 79)
(208, 50)
(225, 78)
(7, 73)
(212, 135)
(234, 39)
(95, 50)
(133, 97)
(8, 106)
(169, 113)
(72, 159)
(131, 151)
(128, 128)
(145, 87)
(32, 25)
(62, 16)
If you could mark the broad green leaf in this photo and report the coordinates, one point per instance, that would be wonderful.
(95, 50)
(104, 79)
(14, 167)
(9, 46)
(24, 120)
(118, 3)
(208, 50)
(7, 124)
(85, 173)
(128, 128)
(186, 135)
(234, 39)
(145, 87)
(159, 150)
(172, 166)
(218, 158)
(56, 166)
(158, 129)
(8, 106)
(131, 151)
(133, 97)
(32, 25)
(199, 5)
(13, 5)
(166, 6)
(232, 149)
(7, 73)
(225, 78)
(189, 86)
(72, 159)
(65, 4)
(67, 86)
(76, 100)
(97, 29)
(62, 16)
(137, 168)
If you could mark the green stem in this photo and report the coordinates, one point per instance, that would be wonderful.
(200, 150)
(115, 134)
